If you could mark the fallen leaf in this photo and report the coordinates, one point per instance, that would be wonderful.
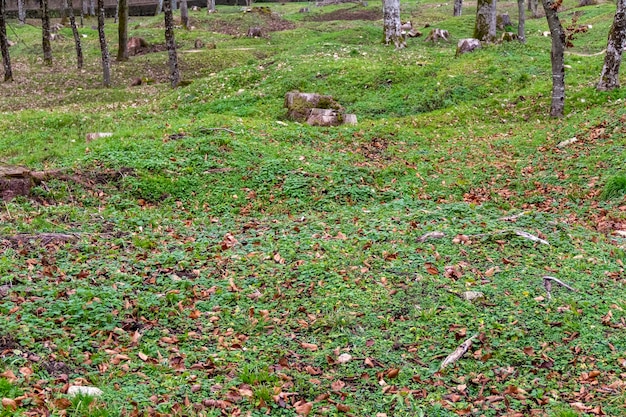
(342, 408)
(337, 385)
(9, 404)
(309, 346)
(304, 409)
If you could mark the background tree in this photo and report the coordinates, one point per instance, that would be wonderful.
(210, 6)
(21, 12)
(45, 33)
(170, 43)
(521, 23)
(122, 31)
(485, 26)
(391, 23)
(533, 7)
(184, 14)
(104, 50)
(557, 57)
(69, 5)
(458, 8)
(609, 78)
(4, 44)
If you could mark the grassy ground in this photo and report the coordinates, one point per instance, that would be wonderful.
(229, 262)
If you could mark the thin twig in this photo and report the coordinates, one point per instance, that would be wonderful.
(6, 206)
(460, 351)
(211, 129)
(558, 281)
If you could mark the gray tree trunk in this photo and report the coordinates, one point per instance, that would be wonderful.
(392, 32)
(21, 12)
(104, 50)
(4, 44)
(170, 42)
(184, 14)
(609, 78)
(458, 8)
(122, 31)
(92, 8)
(521, 22)
(210, 6)
(45, 33)
(173, 5)
(159, 8)
(79, 49)
(533, 7)
(485, 27)
(557, 57)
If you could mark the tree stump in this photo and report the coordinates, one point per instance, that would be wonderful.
(299, 104)
(508, 37)
(502, 21)
(135, 44)
(14, 181)
(467, 45)
(437, 34)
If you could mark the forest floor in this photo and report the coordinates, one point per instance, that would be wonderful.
(214, 258)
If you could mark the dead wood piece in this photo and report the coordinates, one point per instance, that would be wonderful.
(513, 217)
(254, 32)
(502, 21)
(528, 236)
(299, 104)
(437, 35)
(508, 37)
(135, 44)
(431, 235)
(547, 283)
(213, 129)
(458, 353)
(323, 117)
(467, 45)
(44, 238)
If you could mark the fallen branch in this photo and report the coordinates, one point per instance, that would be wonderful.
(547, 283)
(458, 353)
(519, 233)
(431, 235)
(45, 238)
(213, 129)
(531, 237)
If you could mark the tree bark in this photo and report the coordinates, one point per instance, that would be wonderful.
(391, 24)
(521, 21)
(170, 43)
(609, 78)
(79, 49)
(92, 8)
(184, 14)
(104, 50)
(533, 7)
(45, 33)
(485, 27)
(122, 31)
(159, 7)
(21, 12)
(458, 8)
(557, 57)
(4, 44)
(210, 6)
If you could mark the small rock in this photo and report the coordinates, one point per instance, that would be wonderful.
(472, 295)
(344, 358)
(567, 142)
(467, 45)
(74, 390)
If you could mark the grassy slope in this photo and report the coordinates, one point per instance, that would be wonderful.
(219, 270)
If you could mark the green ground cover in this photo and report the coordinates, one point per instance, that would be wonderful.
(227, 261)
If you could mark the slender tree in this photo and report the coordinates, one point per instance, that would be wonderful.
(609, 78)
(485, 26)
(392, 32)
(458, 8)
(557, 56)
(533, 6)
(4, 44)
(184, 14)
(79, 50)
(521, 22)
(104, 50)
(210, 6)
(92, 7)
(45, 33)
(122, 31)
(21, 11)
(170, 43)
(159, 8)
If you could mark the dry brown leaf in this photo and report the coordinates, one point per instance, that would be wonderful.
(309, 346)
(337, 385)
(304, 409)
(343, 408)
(142, 356)
(9, 404)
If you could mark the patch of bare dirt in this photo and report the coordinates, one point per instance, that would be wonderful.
(348, 14)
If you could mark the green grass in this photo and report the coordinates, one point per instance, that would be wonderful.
(226, 257)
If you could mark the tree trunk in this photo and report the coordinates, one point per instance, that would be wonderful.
(533, 7)
(210, 6)
(21, 12)
(173, 5)
(609, 78)
(458, 7)
(104, 50)
(4, 44)
(159, 8)
(391, 24)
(79, 49)
(485, 27)
(184, 14)
(45, 33)
(122, 31)
(170, 42)
(82, 13)
(92, 8)
(521, 22)
(557, 57)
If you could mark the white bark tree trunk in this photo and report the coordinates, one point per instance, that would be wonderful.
(21, 12)
(609, 78)
(210, 6)
(458, 8)
(391, 24)
(557, 57)
(521, 22)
